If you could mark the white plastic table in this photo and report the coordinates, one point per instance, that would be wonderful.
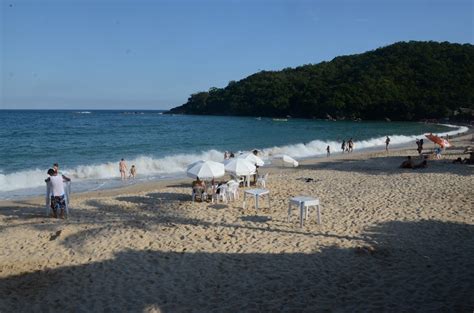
(256, 193)
(304, 202)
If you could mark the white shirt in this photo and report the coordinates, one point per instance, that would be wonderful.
(57, 185)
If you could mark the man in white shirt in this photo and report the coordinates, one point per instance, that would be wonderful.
(57, 192)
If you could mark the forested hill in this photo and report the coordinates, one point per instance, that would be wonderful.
(403, 81)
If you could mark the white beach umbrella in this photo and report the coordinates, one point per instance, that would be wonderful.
(240, 167)
(284, 160)
(205, 170)
(252, 158)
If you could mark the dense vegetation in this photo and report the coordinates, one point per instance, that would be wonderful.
(403, 81)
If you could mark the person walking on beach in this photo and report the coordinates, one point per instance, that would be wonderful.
(387, 141)
(343, 146)
(328, 149)
(350, 143)
(133, 172)
(123, 169)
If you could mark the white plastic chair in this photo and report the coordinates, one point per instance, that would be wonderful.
(261, 180)
(199, 193)
(222, 193)
(233, 190)
(240, 180)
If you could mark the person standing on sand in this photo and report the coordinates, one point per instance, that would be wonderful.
(328, 149)
(343, 146)
(58, 201)
(123, 169)
(387, 141)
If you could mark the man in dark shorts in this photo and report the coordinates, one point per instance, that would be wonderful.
(58, 201)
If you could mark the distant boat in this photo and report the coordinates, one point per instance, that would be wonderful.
(280, 120)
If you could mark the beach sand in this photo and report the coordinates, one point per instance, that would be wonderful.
(391, 239)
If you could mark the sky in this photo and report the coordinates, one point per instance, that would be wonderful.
(143, 54)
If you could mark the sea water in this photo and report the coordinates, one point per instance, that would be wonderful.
(89, 144)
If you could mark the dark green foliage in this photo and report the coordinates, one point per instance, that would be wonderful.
(403, 81)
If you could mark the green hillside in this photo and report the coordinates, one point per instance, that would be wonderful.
(403, 81)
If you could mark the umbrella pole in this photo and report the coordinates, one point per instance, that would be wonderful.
(213, 190)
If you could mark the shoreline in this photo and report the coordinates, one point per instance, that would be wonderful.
(26, 182)
(178, 177)
(390, 239)
(335, 156)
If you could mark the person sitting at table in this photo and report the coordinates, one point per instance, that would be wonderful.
(199, 189)
(199, 184)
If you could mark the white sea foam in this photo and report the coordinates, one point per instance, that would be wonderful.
(175, 165)
(146, 166)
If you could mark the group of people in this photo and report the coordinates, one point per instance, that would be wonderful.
(57, 198)
(347, 146)
(469, 160)
(228, 155)
(408, 163)
(123, 170)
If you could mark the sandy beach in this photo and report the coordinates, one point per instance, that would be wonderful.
(391, 240)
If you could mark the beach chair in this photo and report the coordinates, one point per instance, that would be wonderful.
(240, 180)
(261, 180)
(233, 190)
(67, 193)
(221, 193)
(198, 192)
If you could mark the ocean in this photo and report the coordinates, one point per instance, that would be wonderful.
(89, 144)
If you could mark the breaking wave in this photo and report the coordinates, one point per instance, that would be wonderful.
(175, 165)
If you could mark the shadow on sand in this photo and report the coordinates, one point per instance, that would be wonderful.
(411, 266)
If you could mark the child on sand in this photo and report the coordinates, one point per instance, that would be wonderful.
(133, 172)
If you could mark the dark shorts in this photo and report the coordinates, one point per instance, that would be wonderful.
(58, 203)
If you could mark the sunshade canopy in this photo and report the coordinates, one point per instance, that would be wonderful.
(240, 167)
(438, 140)
(253, 159)
(284, 160)
(205, 170)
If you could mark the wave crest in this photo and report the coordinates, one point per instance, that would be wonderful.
(175, 165)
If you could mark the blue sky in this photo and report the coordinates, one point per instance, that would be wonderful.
(153, 54)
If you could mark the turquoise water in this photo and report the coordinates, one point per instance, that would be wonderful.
(89, 144)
